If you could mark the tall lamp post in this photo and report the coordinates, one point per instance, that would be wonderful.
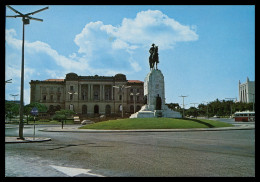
(183, 104)
(134, 95)
(207, 108)
(122, 88)
(14, 96)
(231, 105)
(72, 93)
(253, 101)
(26, 20)
(8, 81)
(194, 106)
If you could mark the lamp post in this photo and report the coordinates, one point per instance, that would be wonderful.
(8, 81)
(194, 106)
(207, 108)
(72, 93)
(183, 104)
(14, 96)
(253, 100)
(26, 20)
(231, 105)
(122, 88)
(134, 95)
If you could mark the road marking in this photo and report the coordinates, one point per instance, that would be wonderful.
(75, 171)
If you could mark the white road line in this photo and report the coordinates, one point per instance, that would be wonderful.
(75, 171)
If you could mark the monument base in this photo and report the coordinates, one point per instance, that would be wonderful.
(166, 113)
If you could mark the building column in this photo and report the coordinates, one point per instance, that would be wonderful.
(88, 92)
(103, 94)
(112, 92)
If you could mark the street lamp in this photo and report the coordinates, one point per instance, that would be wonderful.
(26, 20)
(14, 96)
(194, 106)
(8, 81)
(253, 101)
(231, 104)
(207, 108)
(183, 104)
(72, 93)
(134, 95)
(122, 88)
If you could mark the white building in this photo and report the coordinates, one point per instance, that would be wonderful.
(247, 91)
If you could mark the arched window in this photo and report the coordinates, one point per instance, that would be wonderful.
(131, 109)
(108, 109)
(96, 109)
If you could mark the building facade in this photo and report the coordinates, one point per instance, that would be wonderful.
(247, 91)
(89, 95)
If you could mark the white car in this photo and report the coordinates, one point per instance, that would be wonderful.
(84, 122)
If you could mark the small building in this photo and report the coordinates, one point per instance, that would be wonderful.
(88, 95)
(247, 91)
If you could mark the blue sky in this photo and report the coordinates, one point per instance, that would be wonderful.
(203, 50)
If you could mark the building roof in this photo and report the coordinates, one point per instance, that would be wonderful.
(56, 80)
(134, 81)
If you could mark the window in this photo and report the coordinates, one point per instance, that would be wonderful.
(120, 97)
(58, 89)
(71, 96)
(58, 98)
(71, 88)
(131, 98)
(44, 97)
(51, 98)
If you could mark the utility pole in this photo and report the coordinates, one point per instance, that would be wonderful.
(207, 108)
(26, 20)
(183, 104)
(253, 100)
(14, 96)
(231, 105)
(195, 107)
(122, 88)
(134, 97)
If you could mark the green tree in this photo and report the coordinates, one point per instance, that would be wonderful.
(11, 109)
(28, 108)
(63, 115)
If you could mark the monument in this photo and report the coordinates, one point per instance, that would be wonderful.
(154, 92)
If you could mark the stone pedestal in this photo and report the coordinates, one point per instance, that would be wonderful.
(154, 88)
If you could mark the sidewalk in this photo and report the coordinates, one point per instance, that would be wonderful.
(26, 139)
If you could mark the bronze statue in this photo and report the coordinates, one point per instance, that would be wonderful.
(154, 56)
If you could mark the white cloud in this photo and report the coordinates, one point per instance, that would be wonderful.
(105, 49)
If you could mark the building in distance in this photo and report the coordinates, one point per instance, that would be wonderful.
(88, 95)
(247, 91)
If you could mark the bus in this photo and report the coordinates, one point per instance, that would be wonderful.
(245, 116)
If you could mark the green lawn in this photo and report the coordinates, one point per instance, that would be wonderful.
(155, 123)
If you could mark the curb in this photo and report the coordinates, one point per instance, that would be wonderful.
(148, 130)
(26, 140)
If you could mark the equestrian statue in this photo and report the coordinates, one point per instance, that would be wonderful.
(154, 56)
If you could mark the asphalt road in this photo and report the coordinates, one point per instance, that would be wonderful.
(197, 153)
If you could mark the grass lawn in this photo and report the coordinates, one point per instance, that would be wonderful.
(155, 123)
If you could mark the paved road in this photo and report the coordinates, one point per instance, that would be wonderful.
(207, 153)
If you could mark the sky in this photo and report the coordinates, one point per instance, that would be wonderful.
(204, 50)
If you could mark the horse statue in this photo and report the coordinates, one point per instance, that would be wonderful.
(154, 56)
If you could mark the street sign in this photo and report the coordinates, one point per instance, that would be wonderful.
(34, 111)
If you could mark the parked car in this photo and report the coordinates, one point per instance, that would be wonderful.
(216, 116)
(84, 122)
